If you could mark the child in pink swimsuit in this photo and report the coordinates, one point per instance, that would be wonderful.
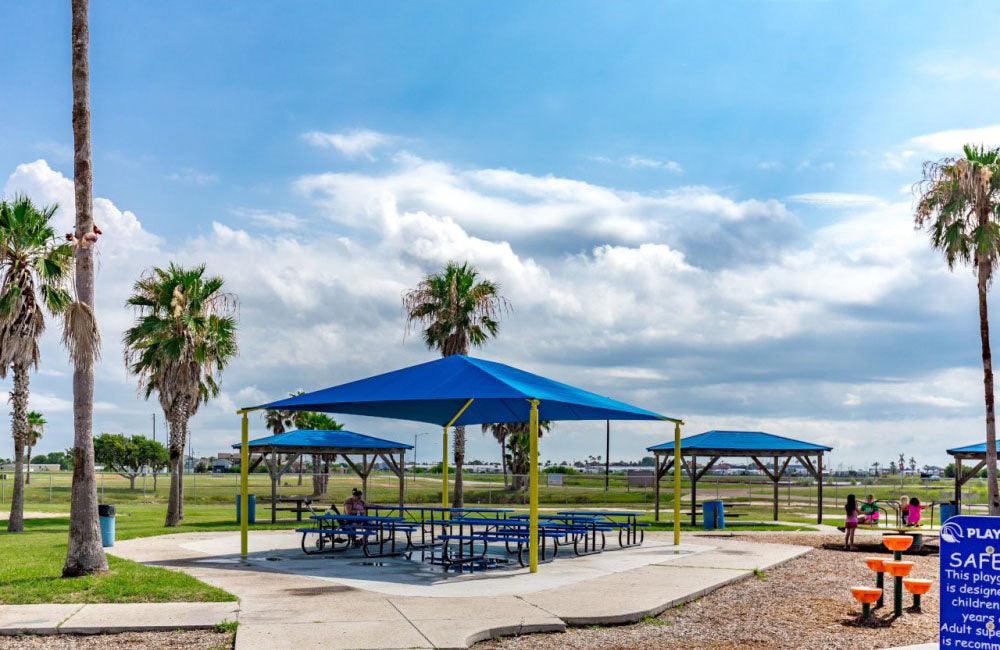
(851, 522)
(913, 512)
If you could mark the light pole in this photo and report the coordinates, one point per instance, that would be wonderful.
(415, 436)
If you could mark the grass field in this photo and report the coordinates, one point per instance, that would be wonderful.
(30, 564)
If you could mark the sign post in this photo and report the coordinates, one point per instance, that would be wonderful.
(970, 582)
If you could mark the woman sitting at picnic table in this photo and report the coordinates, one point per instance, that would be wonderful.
(355, 505)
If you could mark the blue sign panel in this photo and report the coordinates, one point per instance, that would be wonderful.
(970, 583)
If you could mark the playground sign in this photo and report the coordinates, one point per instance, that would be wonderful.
(970, 583)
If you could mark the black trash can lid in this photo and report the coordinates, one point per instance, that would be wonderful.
(106, 510)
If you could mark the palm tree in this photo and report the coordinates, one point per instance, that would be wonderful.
(875, 467)
(500, 431)
(34, 271)
(456, 310)
(84, 552)
(185, 333)
(518, 450)
(315, 422)
(36, 427)
(957, 205)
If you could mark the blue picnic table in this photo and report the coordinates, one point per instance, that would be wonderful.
(459, 546)
(366, 531)
(631, 528)
(583, 530)
(434, 519)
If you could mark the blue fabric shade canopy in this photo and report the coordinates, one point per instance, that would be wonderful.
(436, 391)
(969, 449)
(741, 441)
(333, 440)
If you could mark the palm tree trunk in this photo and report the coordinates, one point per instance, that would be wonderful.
(991, 430)
(84, 553)
(503, 462)
(176, 449)
(459, 450)
(19, 428)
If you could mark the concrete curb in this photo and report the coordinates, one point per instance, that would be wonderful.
(108, 618)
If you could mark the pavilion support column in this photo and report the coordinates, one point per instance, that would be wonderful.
(368, 470)
(958, 483)
(402, 481)
(271, 469)
(777, 477)
(533, 488)
(444, 468)
(656, 489)
(693, 475)
(244, 480)
(819, 497)
(677, 483)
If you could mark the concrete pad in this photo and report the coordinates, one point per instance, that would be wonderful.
(321, 610)
(458, 635)
(342, 636)
(637, 593)
(102, 618)
(743, 555)
(36, 619)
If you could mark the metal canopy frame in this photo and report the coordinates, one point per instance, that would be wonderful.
(961, 476)
(276, 469)
(665, 460)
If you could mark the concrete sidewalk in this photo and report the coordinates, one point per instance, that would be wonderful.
(295, 602)
(100, 618)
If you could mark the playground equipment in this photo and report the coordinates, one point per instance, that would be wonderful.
(897, 544)
(898, 569)
(918, 588)
(876, 564)
(866, 596)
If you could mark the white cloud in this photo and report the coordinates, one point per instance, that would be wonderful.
(952, 68)
(352, 143)
(280, 220)
(835, 199)
(641, 162)
(620, 297)
(951, 141)
(122, 230)
(769, 165)
(192, 176)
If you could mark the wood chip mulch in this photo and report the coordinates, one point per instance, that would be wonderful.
(181, 640)
(803, 604)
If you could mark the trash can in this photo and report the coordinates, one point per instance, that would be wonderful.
(712, 515)
(949, 510)
(251, 508)
(106, 513)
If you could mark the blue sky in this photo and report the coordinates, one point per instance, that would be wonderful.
(702, 208)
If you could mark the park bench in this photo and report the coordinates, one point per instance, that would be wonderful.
(518, 537)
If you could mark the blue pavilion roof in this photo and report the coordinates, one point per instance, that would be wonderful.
(436, 391)
(330, 439)
(741, 441)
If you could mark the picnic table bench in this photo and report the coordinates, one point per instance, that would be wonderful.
(626, 522)
(365, 531)
(508, 532)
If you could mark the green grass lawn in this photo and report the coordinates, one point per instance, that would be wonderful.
(31, 562)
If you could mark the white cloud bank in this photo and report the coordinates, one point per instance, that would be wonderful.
(687, 302)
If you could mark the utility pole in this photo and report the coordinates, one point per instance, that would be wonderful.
(154, 427)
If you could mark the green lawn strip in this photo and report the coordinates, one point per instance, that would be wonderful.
(31, 563)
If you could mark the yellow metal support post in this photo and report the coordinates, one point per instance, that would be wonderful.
(444, 468)
(244, 488)
(677, 483)
(533, 488)
(444, 454)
